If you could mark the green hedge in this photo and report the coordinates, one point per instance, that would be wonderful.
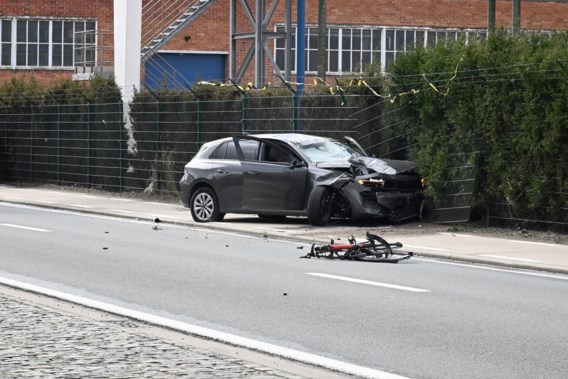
(506, 95)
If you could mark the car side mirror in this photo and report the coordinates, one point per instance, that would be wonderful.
(294, 163)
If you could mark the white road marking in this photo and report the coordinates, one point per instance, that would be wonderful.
(426, 248)
(120, 211)
(492, 269)
(511, 258)
(368, 282)
(25, 227)
(249, 343)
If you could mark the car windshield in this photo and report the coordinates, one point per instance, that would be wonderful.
(327, 151)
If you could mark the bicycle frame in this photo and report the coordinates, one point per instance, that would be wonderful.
(374, 249)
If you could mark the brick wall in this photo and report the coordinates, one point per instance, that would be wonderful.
(210, 32)
(100, 10)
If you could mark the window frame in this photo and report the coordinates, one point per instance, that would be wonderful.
(27, 51)
(341, 44)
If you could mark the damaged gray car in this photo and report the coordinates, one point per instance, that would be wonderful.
(279, 175)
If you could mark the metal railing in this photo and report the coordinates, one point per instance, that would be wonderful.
(94, 52)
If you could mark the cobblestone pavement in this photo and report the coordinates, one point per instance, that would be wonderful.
(39, 341)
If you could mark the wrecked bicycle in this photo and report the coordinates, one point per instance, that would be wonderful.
(374, 249)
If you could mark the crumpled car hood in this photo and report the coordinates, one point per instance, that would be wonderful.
(381, 166)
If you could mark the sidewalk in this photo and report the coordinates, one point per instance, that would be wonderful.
(429, 241)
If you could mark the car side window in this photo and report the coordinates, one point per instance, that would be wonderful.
(250, 149)
(226, 150)
(219, 152)
(272, 153)
(231, 152)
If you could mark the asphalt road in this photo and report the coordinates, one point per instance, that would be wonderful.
(418, 318)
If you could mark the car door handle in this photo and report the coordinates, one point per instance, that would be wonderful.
(253, 172)
(220, 171)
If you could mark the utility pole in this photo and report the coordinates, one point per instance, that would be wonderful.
(490, 16)
(322, 38)
(516, 17)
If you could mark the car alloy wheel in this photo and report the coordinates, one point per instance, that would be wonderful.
(204, 206)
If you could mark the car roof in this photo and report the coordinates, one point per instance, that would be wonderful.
(292, 137)
(295, 138)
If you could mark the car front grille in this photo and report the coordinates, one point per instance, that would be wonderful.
(408, 185)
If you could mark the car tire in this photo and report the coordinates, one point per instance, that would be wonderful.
(320, 206)
(204, 206)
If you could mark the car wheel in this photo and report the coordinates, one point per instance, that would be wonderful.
(272, 218)
(320, 205)
(204, 206)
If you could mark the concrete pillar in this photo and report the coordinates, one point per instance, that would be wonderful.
(127, 46)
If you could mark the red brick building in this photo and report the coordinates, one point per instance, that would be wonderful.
(37, 37)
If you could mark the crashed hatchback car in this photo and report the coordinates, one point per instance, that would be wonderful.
(279, 175)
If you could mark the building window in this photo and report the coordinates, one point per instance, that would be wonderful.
(350, 50)
(28, 43)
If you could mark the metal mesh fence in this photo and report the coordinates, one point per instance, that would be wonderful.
(511, 212)
(90, 145)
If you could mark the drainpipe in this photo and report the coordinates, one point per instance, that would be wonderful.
(300, 54)
(516, 17)
(490, 16)
(301, 45)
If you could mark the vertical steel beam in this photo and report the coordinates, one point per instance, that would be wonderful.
(516, 16)
(490, 16)
(288, 41)
(258, 44)
(301, 45)
(258, 48)
(233, 45)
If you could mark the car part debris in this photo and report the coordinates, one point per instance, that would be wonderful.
(374, 249)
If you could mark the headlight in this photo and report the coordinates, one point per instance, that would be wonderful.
(371, 182)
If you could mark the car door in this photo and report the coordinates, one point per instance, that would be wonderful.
(271, 182)
(227, 173)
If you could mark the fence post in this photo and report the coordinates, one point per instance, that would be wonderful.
(243, 106)
(31, 105)
(89, 110)
(158, 112)
(198, 125)
(197, 117)
(4, 165)
(120, 143)
(244, 114)
(295, 103)
(295, 111)
(58, 165)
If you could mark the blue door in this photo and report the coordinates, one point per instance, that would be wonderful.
(173, 70)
